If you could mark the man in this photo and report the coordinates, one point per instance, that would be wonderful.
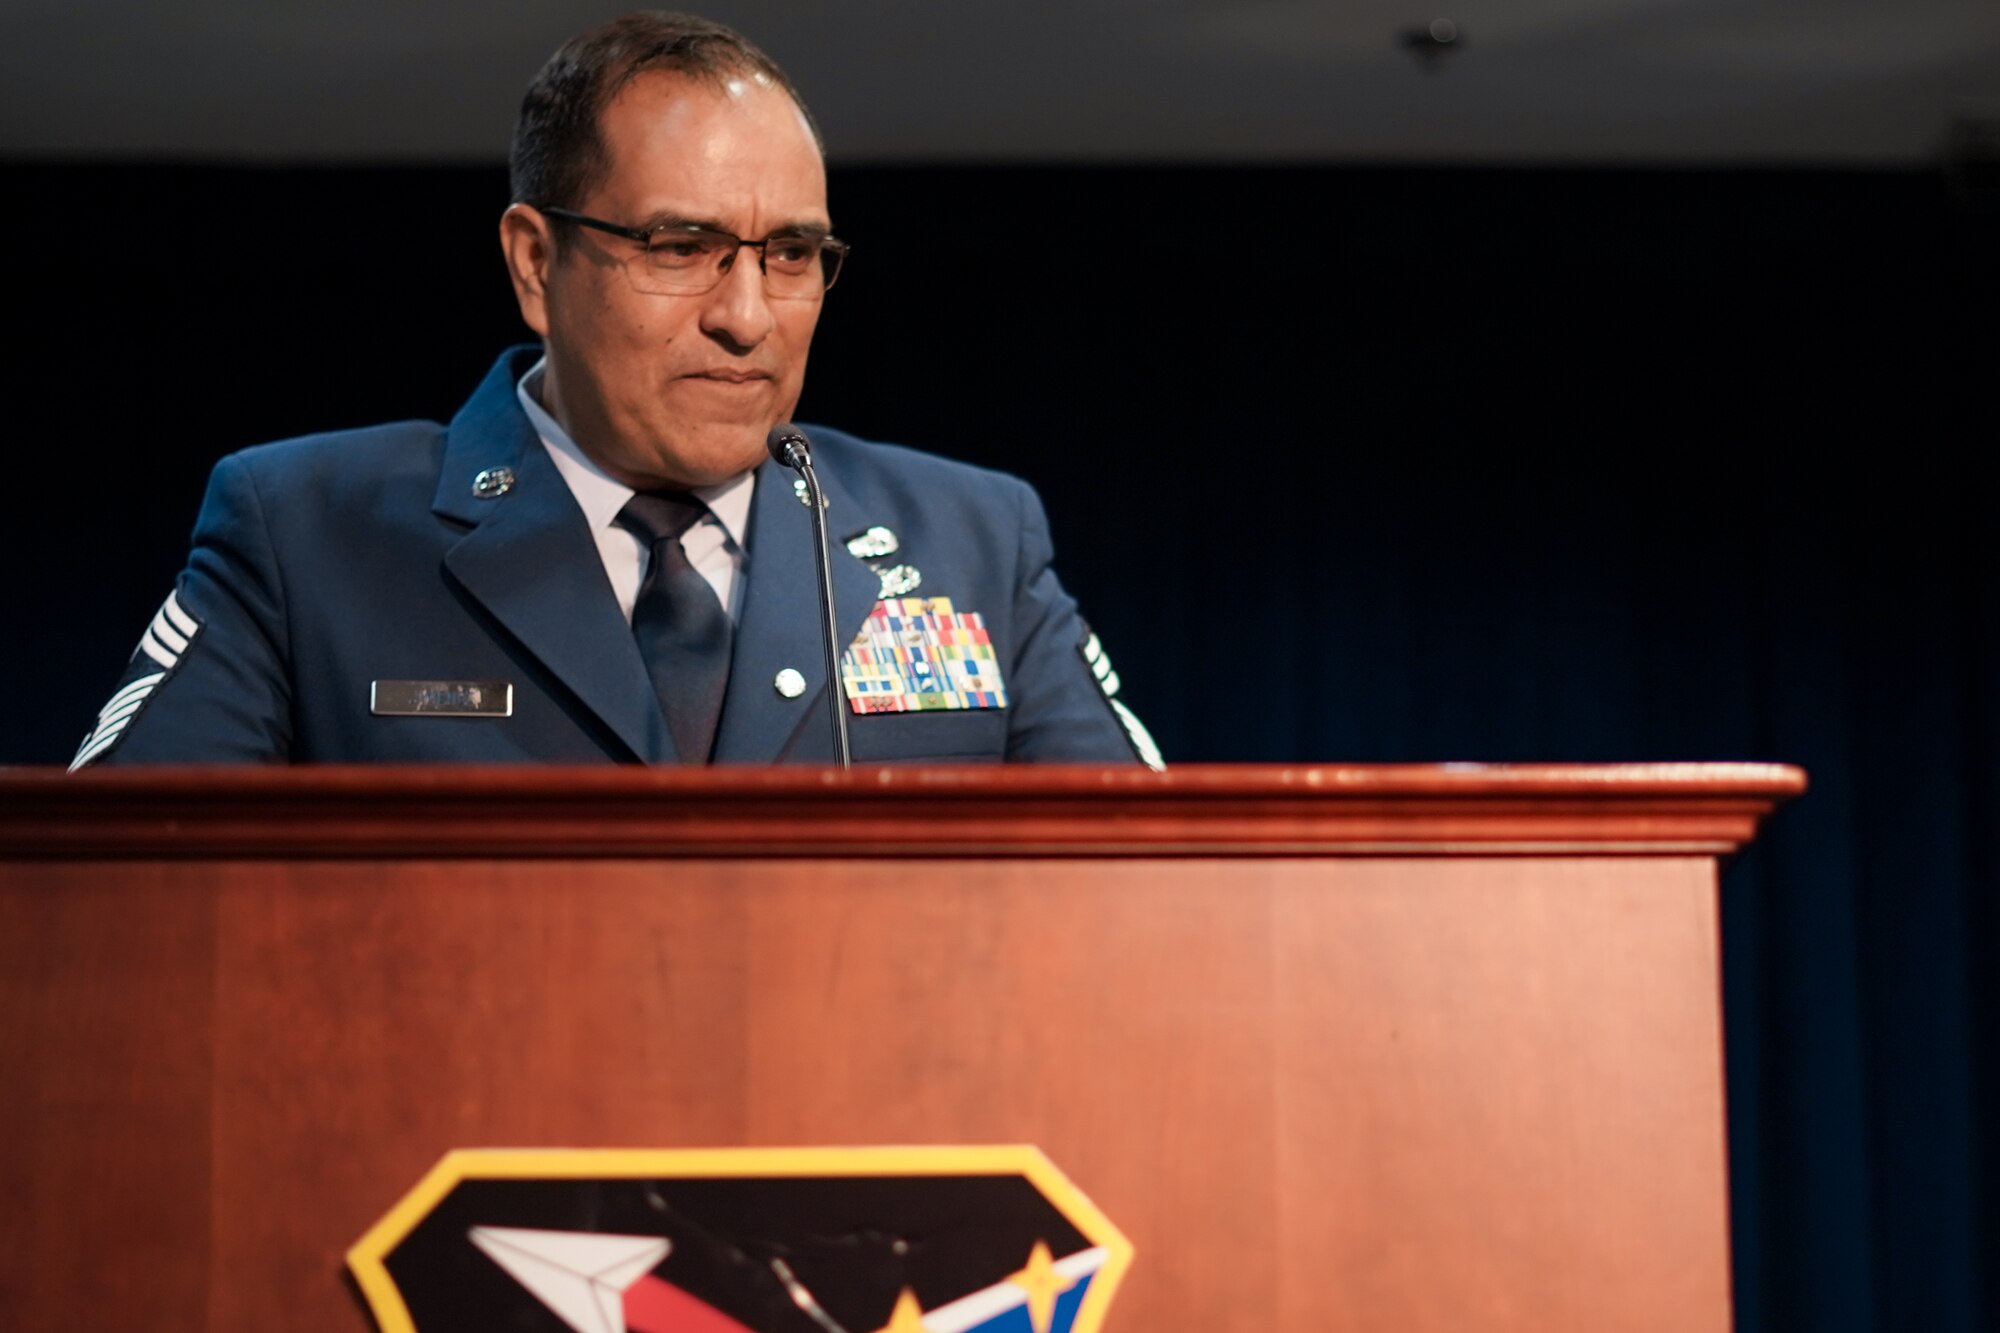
(597, 560)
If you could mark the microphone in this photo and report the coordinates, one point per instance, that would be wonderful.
(789, 447)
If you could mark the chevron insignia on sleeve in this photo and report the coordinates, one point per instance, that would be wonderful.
(1099, 663)
(165, 642)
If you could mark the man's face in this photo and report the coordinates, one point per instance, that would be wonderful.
(676, 391)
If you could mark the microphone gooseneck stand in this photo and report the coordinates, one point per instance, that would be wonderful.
(788, 445)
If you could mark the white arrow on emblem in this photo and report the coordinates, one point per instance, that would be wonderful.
(580, 1275)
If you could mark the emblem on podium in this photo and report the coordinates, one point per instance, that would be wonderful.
(753, 1240)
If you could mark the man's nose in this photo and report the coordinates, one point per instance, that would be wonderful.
(738, 311)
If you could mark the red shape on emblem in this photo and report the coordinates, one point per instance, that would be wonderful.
(655, 1305)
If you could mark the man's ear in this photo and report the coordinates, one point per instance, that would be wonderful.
(528, 241)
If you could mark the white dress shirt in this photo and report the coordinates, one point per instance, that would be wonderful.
(715, 546)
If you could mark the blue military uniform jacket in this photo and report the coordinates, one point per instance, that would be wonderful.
(324, 565)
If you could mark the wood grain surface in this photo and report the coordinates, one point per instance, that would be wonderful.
(1436, 1091)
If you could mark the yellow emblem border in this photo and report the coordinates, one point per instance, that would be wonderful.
(366, 1260)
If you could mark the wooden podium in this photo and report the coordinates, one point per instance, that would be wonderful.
(1395, 1049)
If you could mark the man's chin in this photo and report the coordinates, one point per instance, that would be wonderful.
(711, 459)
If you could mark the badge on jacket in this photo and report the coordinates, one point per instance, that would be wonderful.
(916, 654)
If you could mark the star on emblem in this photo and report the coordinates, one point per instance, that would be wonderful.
(907, 1317)
(1043, 1283)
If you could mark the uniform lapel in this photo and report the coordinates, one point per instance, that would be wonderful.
(529, 560)
(779, 626)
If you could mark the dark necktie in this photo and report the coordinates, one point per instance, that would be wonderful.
(682, 630)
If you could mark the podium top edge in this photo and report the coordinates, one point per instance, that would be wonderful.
(1306, 782)
(1258, 810)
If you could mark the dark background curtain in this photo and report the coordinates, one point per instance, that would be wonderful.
(1344, 465)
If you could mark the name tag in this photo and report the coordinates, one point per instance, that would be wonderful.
(441, 698)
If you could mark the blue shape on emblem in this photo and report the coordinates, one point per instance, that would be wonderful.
(1015, 1320)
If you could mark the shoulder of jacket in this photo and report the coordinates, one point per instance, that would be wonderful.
(346, 461)
(341, 448)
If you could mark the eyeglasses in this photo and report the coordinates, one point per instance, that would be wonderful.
(682, 259)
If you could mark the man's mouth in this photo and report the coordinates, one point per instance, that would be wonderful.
(729, 376)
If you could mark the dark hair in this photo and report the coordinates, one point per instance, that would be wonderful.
(558, 154)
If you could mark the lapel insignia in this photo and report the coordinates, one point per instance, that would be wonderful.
(916, 654)
(493, 483)
(799, 489)
(900, 580)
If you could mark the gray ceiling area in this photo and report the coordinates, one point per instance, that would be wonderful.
(1836, 82)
